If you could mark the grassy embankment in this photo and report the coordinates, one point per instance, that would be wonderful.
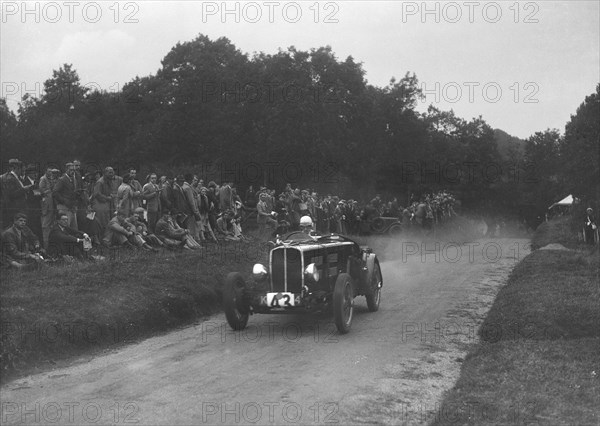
(538, 360)
(57, 313)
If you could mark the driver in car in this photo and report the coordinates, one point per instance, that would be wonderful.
(306, 226)
(306, 229)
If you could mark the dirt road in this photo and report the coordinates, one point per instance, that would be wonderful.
(392, 368)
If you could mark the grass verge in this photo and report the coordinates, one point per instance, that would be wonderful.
(563, 230)
(57, 313)
(537, 360)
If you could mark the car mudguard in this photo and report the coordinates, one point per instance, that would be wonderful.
(371, 259)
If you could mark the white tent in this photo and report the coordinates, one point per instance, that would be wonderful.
(567, 201)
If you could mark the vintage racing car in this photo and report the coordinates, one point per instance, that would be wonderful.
(306, 274)
(384, 225)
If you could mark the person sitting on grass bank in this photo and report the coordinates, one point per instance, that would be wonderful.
(121, 232)
(118, 231)
(20, 246)
(226, 228)
(67, 243)
(141, 227)
(173, 235)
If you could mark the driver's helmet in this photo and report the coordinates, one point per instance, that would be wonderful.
(306, 223)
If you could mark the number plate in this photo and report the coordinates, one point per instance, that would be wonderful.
(282, 300)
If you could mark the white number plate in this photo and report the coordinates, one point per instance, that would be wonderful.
(282, 300)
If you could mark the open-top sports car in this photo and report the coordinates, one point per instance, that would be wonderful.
(306, 274)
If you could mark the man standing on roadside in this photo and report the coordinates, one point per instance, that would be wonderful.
(46, 186)
(265, 220)
(102, 196)
(65, 196)
(151, 193)
(136, 188)
(83, 200)
(185, 204)
(166, 194)
(213, 204)
(14, 193)
(590, 228)
(125, 197)
(34, 219)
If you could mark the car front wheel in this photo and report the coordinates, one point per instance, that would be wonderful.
(343, 303)
(233, 292)
(374, 292)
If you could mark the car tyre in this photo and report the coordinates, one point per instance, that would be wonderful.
(395, 230)
(343, 303)
(378, 225)
(233, 293)
(374, 282)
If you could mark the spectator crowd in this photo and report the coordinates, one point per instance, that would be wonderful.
(71, 215)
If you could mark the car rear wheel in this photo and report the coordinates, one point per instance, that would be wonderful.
(233, 293)
(374, 293)
(343, 303)
(395, 230)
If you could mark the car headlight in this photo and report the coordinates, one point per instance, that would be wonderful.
(312, 273)
(259, 271)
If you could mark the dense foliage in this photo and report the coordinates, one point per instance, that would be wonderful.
(301, 117)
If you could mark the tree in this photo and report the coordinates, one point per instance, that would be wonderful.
(63, 92)
(581, 148)
(8, 124)
(541, 178)
(52, 128)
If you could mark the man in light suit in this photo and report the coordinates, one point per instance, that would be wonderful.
(265, 220)
(151, 193)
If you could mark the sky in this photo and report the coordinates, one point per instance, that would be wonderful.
(523, 66)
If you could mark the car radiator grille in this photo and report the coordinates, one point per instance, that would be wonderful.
(290, 281)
